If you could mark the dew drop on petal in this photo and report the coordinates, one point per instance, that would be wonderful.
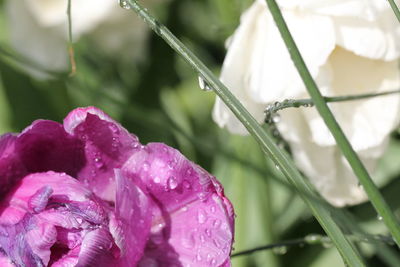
(212, 209)
(186, 184)
(172, 183)
(201, 216)
(216, 223)
(157, 180)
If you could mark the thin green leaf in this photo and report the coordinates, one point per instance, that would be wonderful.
(370, 188)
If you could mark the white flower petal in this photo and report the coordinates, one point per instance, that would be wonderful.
(41, 45)
(271, 74)
(377, 39)
(365, 122)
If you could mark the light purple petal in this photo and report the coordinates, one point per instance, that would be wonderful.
(133, 215)
(194, 220)
(107, 146)
(52, 215)
(96, 249)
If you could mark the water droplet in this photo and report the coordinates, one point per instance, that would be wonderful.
(185, 208)
(216, 223)
(98, 162)
(114, 128)
(201, 195)
(157, 180)
(281, 250)
(172, 183)
(379, 217)
(198, 257)
(186, 184)
(146, 166)
(277, 167)
(203, 84)
(212, 209)
(201, 216)
(276, 118)
(313, 238)
(208, 232)
(124, 4)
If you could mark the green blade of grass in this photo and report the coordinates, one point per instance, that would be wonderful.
(343, 143)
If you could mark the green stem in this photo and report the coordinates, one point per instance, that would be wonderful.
(314, 239)
(70, 41)
(286, 165)
(395, 9)
(365, 180)
(296, 103)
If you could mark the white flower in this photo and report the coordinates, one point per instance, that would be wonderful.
(350, 47)
(39, 30)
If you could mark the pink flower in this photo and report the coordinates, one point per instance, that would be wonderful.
(87, 193)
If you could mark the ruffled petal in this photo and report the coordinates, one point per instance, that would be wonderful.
(376, 39)
(133, 216)
(194, 221)
(366, 122)
(107, 146)
(56, 215)
(96, 249)
(258, 69)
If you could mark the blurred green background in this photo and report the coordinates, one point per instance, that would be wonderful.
(159, 99)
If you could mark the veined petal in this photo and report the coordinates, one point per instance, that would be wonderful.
(107, 146)
(194, 221)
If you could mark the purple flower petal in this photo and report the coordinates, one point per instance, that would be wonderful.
(107, 146)
(56, 219)
(43, 146)
(133, 213)
(96, 249)
(194, 221)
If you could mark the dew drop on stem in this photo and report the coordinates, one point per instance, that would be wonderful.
(203, 84)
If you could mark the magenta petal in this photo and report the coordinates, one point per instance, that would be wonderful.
(11, 167)
(45, 146)
(133, 215)
(194, 224)
(107, 146)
